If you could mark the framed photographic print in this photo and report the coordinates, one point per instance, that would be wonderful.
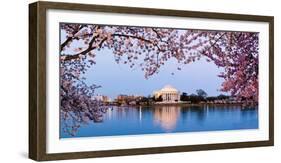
(111, 81)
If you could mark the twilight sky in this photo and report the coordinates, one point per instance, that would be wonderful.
(118, 79)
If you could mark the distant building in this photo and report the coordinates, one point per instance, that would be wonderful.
(128, 99)
(122, 97)
(101, 98)
(168, 94)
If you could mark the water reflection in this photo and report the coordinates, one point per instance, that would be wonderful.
(166, 116)
(161, 119)
(190, 117)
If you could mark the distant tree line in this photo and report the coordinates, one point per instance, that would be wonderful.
(194, 98)
(201, 96)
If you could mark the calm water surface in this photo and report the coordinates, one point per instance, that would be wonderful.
(170, 119)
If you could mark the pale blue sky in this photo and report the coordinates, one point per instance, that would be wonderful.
(121, 79)
(118, 79)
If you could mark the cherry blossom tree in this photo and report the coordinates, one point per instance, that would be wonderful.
(149, 48)
(237, 52)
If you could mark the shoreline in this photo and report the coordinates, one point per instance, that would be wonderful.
(189, 104)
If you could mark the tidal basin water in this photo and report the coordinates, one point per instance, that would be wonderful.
(169, 119)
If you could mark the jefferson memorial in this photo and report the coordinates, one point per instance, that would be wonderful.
(169, 94)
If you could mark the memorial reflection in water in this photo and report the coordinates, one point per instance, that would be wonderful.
(170, 119)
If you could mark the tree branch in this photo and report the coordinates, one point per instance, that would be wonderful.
(213, 44)
(69, 39)
(84, 52)
(160, 38)
(137, 37)
(132, 36)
